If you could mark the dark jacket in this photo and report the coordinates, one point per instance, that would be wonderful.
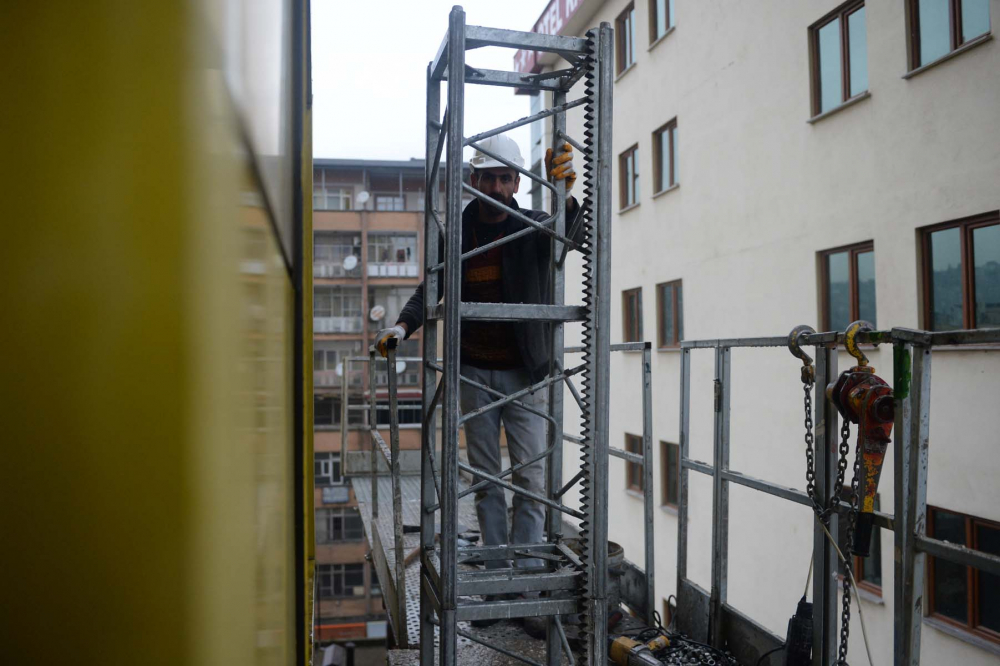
(526, 278)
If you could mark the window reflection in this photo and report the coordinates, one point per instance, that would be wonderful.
(986, 263)
(935, 40)
(839, 290)
(946, 280)
(866, 287)
(975, 18)
(829, 65)
(857, 51)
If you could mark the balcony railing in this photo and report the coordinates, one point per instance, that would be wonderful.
(326, 378)
(337, 324)
(323, 269)
(393, 269)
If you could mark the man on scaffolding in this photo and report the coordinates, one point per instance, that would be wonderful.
(505, 356)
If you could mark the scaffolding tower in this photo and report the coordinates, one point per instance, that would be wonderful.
(568, 583)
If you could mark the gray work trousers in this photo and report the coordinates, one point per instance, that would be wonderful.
(525, 439)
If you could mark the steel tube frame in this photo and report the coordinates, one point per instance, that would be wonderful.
(912, 376)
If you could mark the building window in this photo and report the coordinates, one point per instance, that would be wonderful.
(334, 525)
(387, 202)
(847, 286)
(340, 580)
(959, 594)
(839, 51)
(962, 274)
(337, 309)
(669, 314)
(938, 27)
(633, 471)
(661, 18)
(632, 315)
(670, 464)
(410, 412)
(374, 587)
(628, 175)
(328, 355)
(392, 255)
(330, 252)
(326, 468)
(665, 156)
(326, 409)
(625, 38)
(330, 196)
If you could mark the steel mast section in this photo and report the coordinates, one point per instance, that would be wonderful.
(568, 584)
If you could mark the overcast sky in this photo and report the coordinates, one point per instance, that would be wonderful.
(369, 64)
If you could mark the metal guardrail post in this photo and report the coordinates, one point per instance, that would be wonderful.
(912, 371)
(720, 498)
(452, 277)
(825, 562)
(428, 434)
(647, 481)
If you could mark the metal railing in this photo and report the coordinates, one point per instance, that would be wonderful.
(707, 615)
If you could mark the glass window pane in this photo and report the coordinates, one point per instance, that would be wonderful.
(857, 51)
(829, 66)
(988, 541)
(680, 311)
(667, 325)
(629, 179)
(986, 262)
(950, 582)
(673, 454)
(838, 291)
(671, 18)
(975, 18)
(946, 280)
(866, 287)
(935, 29)
(635, 170)
(673, 155)
(631, 36)
(663, 146)
(661, 17)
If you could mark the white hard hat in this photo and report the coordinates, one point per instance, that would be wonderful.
(501, 145)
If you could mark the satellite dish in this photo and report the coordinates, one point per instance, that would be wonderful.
(363, 197)
(400, 367)
(377, 313)
(350, 262)
(340, 369)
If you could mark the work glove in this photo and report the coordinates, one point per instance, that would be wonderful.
(382, 338)
(561, 166)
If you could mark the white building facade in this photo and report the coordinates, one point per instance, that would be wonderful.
(783, 163)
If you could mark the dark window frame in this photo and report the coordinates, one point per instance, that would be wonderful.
(665, 486)
(842, 12)
(852, 280)
(653, 37)
(954, 37)
(669, 126)
(632, 320)
(633, 154)
(622, 23)
(633, 471)
(966, 226)
(971, 625)
(677, 309)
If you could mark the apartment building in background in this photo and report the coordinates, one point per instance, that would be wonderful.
(812, 163)
(367, 259)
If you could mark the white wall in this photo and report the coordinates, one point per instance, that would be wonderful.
(762, 191)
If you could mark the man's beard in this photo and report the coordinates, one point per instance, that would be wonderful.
(492, 212)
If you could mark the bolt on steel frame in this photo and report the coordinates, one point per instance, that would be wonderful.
(706, 615)
(578, 584)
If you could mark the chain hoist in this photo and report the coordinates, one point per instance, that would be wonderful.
(863, 398)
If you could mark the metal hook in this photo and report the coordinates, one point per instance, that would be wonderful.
(808, 370)
(859, 326)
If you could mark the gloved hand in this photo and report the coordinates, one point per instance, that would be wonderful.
(561, 167)
(382, 338)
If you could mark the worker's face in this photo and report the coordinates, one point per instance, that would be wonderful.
(499, 183)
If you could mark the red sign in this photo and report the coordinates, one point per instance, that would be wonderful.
(551, 22)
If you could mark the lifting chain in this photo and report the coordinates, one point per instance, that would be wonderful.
(822, 512)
